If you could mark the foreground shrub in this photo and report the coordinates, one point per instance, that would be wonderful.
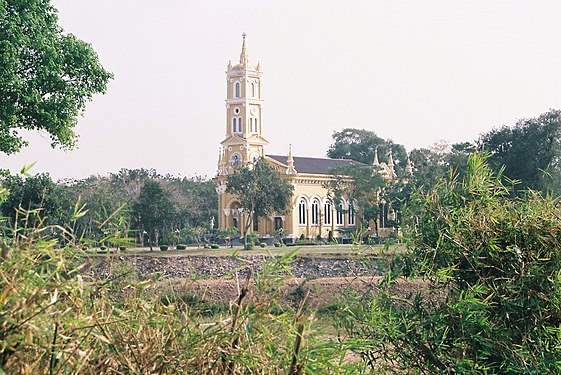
(59, 316)
(493, 298)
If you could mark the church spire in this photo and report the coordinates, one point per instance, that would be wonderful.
(376, 161)
(244, 58)
(290, 170)
(390, 165)
(408, 167)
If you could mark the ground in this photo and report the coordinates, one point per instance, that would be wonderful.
(217, 275)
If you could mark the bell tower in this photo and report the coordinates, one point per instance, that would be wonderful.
(244, 115)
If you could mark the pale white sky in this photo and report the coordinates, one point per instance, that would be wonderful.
(413, 71)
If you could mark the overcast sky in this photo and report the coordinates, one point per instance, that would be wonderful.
(413, 71)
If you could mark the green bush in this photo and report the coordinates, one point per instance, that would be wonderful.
(215, 246)
(61, 318)
(492, 267)
(277, 244)
(181, 247)
(263, 244)
(164, 247)
(122, 248)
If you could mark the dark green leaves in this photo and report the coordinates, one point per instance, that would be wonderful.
(46, 76)
(260, 189)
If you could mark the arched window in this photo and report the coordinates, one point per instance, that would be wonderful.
(253, 124)
(302, 212)
(315, 212)
(253, 90)
(240, 124)
(237, 90)
(327, 213)
(351, 215)
(235, 125)
(340, 219)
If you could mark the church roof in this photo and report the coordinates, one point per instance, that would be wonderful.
(314, 165)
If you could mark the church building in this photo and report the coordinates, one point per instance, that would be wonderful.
(311, 213)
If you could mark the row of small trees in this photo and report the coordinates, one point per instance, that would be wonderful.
(526, 155)
(138, 203)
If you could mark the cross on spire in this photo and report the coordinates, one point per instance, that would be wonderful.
(243, 56)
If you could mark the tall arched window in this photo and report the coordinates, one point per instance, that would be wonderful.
(340, 217)
(235, 125)
(253, 124)
(302, 212)
(315, 212)
(253, 90)
(327, 213)
(237, 90)
(240, 124)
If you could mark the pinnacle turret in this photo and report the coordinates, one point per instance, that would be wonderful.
(290, 170)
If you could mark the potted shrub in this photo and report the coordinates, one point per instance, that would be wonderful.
(215, 246)
(181, 247)
(164, 247)
(263, 244)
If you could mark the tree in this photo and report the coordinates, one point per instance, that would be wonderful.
(260, 191)
(432, 164)
(530, 152)
(361, 185)
(194, 200)
(38, 194)
(46, 76)
(359, 145)
(153, 209)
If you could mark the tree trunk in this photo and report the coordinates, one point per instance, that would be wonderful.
(246, 229)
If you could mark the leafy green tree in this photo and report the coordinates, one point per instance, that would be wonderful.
(39, 194)
(46, 76)
(359, 145)
(260, 190)
(491, 291)
(361, 185)
(101, 200)
(530, 152)
(432, 164)
(194, 201)
(153, 210)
